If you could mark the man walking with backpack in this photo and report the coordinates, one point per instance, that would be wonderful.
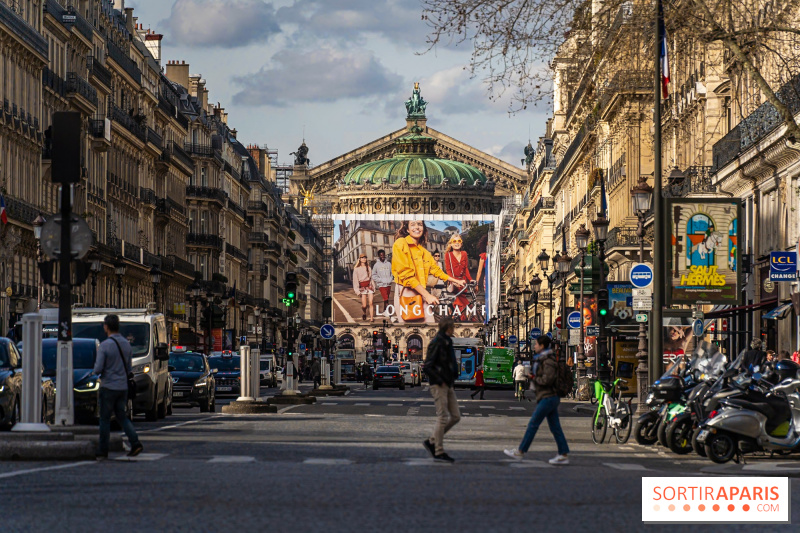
(113, 365)
(441, 368)
(546, 379)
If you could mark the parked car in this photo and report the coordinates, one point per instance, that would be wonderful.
(85, 383)
(388, 376)
(11, 388)
(193, 380)
(228, 373)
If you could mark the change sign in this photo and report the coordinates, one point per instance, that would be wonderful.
(783, 266)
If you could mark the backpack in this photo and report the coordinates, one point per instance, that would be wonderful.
(564, 380)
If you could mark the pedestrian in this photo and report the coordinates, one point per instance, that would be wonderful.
(480, 386)
(754, 357)
(316, 373)
(547, 404)
(520, 379)
(113, 365)
(442, 369)
(796, 357)
(784, 355)
(364, 286)
(771, 356)
(382, 277)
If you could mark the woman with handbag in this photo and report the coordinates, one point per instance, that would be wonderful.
(456, 264)
(412, 263)
(364, 286)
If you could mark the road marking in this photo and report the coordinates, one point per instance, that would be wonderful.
(427, 405)
(141, 457)
(425, 462)
(373, 415)
(232, 459)
(348, 318)
(412, 411)
(515, 408)
(173, 426)
(394, 405)
(330, 403)
(361, 404)
(626, 466)
(770, 467)
(283, 410)
(45, 468)
(528, 464)
(323, 461)
(486, 406)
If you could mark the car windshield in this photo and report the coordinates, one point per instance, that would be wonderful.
(187, 362)
(264, 365)
(137, 333)
(83, 354)
(4, 359)
(224, 364)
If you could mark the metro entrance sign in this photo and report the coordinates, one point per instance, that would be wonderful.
(641, 275)
(574, 320)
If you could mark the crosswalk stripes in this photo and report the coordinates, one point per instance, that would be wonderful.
(142, 457)
(626, 466)
(232, 459)
(362, 404)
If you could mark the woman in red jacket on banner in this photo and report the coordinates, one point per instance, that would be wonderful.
(456, 264)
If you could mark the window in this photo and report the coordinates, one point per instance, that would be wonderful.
(373, 237)
(203, 177)
(385, 239)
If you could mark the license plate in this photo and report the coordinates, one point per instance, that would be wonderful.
(177, 394)
(701, 437)
(223, 389)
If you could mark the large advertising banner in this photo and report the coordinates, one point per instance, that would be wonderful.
(704, 260)
(414, 271)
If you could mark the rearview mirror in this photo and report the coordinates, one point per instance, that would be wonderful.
(162, 351)
(171, 368)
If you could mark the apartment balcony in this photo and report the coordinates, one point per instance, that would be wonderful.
(201, 150)
(273, 248)
(302, 273)
(621, 238)
(99, 72)
(100, 130)
(154, 138)
(696, 179)
(127, 121)
(258, 207)
(77, 86)
(163, 212)
(182, 266)
(236, 208)
(54, 82)
(23, 31)
(204, 239)
(122, 59)
(206, 193)
(257, 237)
(235, 252)
(147, 196)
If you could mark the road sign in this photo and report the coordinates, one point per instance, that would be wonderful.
(512, 339)
(536, 333)
(592, 331)
(574, 337)
(644, 304)
(697, 328)
(641, 317)
(641, 275)
(550, 334)
(327, 331)
(558, 321)
(642, 293)
(282, 350)
(574, 320)
(302, 347)
(80, 242)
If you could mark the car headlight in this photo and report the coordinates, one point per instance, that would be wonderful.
(200, 383)
(2, 388)
(144, 369)
(90, 386)
(649, 399)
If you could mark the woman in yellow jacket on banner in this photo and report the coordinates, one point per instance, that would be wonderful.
(411, 265)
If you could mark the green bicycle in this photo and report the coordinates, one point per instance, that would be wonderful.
(611, 411)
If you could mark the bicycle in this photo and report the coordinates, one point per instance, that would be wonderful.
(469, 291)
(611, 411)
(520, 392)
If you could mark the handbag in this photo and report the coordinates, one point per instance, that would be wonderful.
(131, 381)
(411, 306)
(364, 284)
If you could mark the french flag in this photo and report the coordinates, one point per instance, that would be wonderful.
(3, 214)
(664, 63)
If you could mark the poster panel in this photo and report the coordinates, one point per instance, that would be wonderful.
(620, 296)
(413, 271)
(703, 263)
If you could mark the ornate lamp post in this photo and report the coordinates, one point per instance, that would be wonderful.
(544, 261)
(582, 240)
(563, 261)
(257, 314)
(119, 271)
(641, 199)
(536, 285)
(37, 233)
(95, 265)
(242, 310)
(193, 295)
(600, 225)
(526, 302)
(155, 277)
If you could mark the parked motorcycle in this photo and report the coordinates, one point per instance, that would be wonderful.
(665, 392)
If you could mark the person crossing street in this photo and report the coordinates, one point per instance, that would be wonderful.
(441, 368)
(480, 386)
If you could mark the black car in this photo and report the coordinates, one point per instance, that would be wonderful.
(388, 376)
(193, 381)
(11, 388)
(85, 383)
(227, 374)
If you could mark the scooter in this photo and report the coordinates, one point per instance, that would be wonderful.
(744, 426)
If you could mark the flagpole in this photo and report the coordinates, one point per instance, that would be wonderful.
(655, 364)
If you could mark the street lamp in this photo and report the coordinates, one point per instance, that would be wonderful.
(95, 265)
(582, 240)
(193, 295)
(544, 261)
(242, 309)
(641, 199)
(526, 302)
(155, 277)
(37, 233)
(563, 261)
(119, 270)
(257, 314)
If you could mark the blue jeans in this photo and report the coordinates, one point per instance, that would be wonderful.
(116, 402)
(546, 408)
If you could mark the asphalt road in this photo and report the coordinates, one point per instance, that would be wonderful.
(355, 463)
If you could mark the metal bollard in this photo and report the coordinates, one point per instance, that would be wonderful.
(255, 355)
(32, 375)
(289, 379)
(337, 372)
(65, 399)
(245, 379)
(325, 378)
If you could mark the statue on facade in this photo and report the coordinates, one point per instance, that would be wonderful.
(300, 155)
(530, 152)
(415, 106)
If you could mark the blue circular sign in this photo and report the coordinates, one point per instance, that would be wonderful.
(574, 319)
(512, 339)
(550, 334)
(536, 333)
(641, 275)
(327, 331)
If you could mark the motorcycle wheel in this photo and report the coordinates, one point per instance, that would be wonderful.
(662, 432)
(720, 447)
(679, 435)
(643, 432)
(698, 448)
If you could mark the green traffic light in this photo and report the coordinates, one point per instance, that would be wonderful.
(290, 295)
(603, 312)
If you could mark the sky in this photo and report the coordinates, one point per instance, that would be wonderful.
(335, 72)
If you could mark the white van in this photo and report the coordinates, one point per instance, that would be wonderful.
(147, 333)
(266, 370)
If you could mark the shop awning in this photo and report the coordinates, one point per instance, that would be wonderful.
(749, 308)
(779, 313)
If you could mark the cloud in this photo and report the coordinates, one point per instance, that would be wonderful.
(215, 24)
(399, 21)
(323, 75)
(511, 153)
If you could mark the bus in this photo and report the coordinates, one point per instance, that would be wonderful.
(469, 356)
(498, 367)
(348, 362)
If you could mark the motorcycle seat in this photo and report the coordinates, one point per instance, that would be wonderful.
(775, 409)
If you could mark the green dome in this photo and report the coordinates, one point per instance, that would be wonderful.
(415, 161)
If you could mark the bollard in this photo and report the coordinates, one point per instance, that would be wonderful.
(337, 372)
(245, 378)
(325, 377)
(289, 379)
(31, 375)
(65, 407)
(255, 355)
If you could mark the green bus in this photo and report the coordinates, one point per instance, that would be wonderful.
(498, 367)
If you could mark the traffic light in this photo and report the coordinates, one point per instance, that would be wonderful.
(374, 338)
(502, 340)
(395, 348)
(291, 288)
(602, 302)
(494, 344)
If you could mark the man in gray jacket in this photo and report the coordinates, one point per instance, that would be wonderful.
(113, 372)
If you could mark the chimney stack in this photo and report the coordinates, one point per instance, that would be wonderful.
(178, 72)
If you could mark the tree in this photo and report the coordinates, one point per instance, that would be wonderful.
(514, 42)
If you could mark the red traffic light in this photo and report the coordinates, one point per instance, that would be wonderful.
(494, 344)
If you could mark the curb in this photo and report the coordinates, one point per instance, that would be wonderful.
(296, 399)
(47, 450)
(248, 408)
